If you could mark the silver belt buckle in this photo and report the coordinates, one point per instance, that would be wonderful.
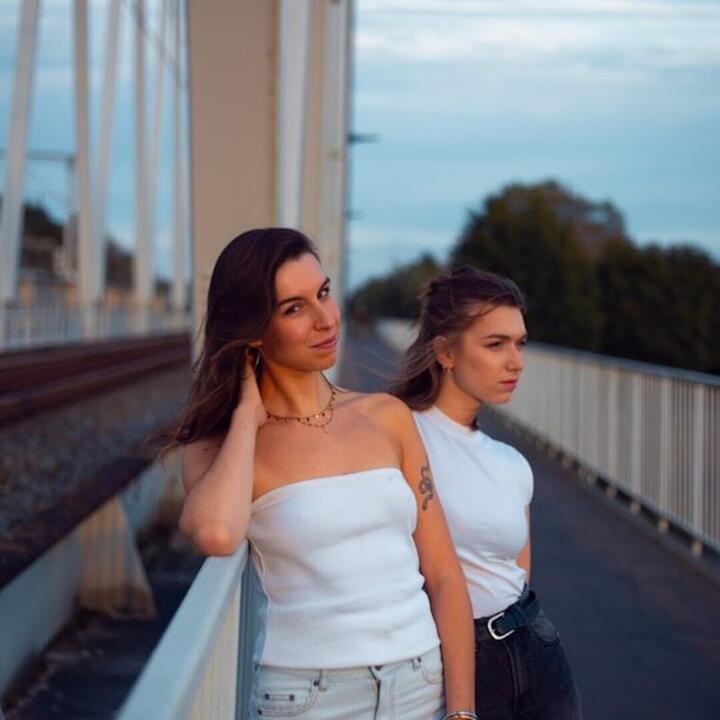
(491, 630)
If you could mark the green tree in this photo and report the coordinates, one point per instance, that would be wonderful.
(660, 305)
(587, 284)
(546, 239)
(395, 294)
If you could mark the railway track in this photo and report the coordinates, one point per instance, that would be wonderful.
(78, 489)
(36, 380)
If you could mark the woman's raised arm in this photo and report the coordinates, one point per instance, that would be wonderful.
(218, 478)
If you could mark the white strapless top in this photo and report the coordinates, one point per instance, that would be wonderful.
(340, 572)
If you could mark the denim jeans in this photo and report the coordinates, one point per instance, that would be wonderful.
(525, 676)
(407, 690)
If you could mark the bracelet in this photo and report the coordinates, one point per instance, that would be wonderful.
(461, 715)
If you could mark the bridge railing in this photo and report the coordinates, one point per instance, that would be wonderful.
(202, 666)
(651, 431)
(25, 327)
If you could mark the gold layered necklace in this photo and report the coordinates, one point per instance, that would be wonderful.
(319, 420)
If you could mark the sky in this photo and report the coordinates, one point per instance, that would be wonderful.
(617, 99)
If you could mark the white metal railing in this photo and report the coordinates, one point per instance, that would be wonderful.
(201, 669)
(651, 431)
(25, 327)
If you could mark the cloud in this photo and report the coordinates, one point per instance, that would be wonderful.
(533, 7)
(651, 36)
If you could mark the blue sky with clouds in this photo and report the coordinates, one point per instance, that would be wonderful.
(618, 99)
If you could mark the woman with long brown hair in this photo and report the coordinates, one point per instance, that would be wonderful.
(333, 491)
(468, 352)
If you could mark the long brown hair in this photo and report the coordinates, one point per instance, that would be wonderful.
(448, 306)
(241, 300)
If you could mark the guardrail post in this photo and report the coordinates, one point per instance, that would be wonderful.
(665, 439)
(698, 463)
(612, 418)
(636, 434)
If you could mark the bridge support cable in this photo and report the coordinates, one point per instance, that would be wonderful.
(102, 169)
(11, 217)
(141, 259)
(87, 256)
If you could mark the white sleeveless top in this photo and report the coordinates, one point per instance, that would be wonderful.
(484, 486)
(338, 566)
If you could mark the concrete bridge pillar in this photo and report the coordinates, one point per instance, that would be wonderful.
(267, 137)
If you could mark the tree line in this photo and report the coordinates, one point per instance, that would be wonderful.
(588, 284)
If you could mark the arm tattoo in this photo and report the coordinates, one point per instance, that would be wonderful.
(426, 486)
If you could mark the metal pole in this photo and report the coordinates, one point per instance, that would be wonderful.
(85, 247)
(70, 226)
(335, 107)
(698, 465)
(293, 69)
(141, 269)
(102, 170)
(11, 220)
(336, 72)
(178, 288)
(156, 140)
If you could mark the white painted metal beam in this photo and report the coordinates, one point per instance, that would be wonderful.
(141, 272)
(156, 146)
(180, 225)
(102, 170)
(12, 210)
(86, 254)
(292, 83)
(331, 239)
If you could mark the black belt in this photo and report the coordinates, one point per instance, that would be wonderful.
(505, 623)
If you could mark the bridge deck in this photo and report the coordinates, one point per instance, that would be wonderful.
(640, 620)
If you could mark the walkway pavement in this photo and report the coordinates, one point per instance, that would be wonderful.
(640, 619)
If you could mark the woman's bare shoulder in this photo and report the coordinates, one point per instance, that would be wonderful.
(379, 406)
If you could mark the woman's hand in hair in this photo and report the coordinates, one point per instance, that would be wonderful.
(218, 475)
(250, 402)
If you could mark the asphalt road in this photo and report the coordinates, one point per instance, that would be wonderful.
(640, 619)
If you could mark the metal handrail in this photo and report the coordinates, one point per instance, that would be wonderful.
(625, 364)
(33, 326)
(193, 672)
(653, 435)
(648, 430)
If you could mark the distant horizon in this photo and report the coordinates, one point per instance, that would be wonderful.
(441, 260)
(712, 251)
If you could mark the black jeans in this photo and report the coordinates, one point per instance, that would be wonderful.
(525, 676)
